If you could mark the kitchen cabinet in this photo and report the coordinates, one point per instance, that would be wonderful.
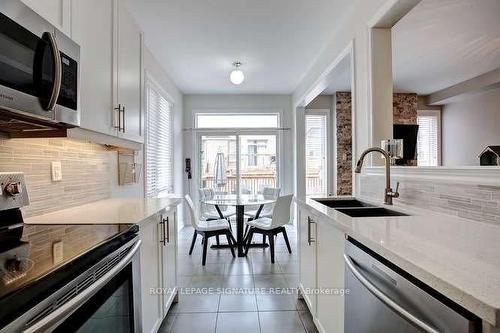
(158, 267)
(321, 250)
(330, 276)
(92, 28)
(128, 76)
(307, 258)
(169, 256)
(57, 12)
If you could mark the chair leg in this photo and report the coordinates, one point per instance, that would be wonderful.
(195, 234)
(230, 242)
(264, 239)
(271, 246)
(285, 236)
(205, 245)
(245, 234)
(249, 241)
(217, 240)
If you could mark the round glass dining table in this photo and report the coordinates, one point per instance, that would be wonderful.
(239, 202)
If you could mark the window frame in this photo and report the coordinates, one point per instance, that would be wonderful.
(151, 82)
(229, 113)
(438, 115)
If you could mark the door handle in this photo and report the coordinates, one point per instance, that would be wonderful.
(310, 240)
(387, 300)
(56, 57)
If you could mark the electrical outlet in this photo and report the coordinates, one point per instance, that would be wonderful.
(56, 171)
(58, 252)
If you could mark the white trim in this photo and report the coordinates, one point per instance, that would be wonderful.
(476, 175)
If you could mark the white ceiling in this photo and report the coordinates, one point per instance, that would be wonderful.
(444, 42)
(277, 41)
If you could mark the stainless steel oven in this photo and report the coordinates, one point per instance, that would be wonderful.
(103, 297)
(39, 71)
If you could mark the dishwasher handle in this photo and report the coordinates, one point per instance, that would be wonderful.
(386, 299)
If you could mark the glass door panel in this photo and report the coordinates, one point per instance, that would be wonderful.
(218, 163)
(258, 163)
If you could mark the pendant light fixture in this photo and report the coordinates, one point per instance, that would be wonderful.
(237, 77)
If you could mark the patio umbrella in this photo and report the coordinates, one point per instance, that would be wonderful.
(220, 170)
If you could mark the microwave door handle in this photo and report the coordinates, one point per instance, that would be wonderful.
(53, 319)
(387, 300)
(56, 57)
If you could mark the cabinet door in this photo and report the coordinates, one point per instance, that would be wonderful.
(92, 28)
(150, 274)
(57, 12)
(128, 76)
(307, 250)
(169, 258)
(330, 276)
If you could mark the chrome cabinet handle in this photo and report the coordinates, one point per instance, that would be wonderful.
(123, 115)
(162, 237)
(119, 114)
(72, 305)
(310, 240)
(387, 300)
(56, 57)
(168, 231)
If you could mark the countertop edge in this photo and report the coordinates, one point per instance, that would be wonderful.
(483, 310)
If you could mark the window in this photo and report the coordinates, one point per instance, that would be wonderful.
(429, 137)
(159, 153)
(316, 153)
(256, 149)
(231, 120)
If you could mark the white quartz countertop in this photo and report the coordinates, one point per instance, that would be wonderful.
(457, 257)
(109, 211)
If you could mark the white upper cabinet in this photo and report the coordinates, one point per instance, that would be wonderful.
(128, 57)
(92, 28)
(57, 12)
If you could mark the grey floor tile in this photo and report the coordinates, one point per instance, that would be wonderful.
(307, 321)
(265, 268)
(198, 303)
(290, 267)
(238, 281)
(168, 323)
(239, 268)
(243, 322)
(281, 322)
(237, 303)
(270, 281)
(195, 323)
(206, 281)
(266, 302)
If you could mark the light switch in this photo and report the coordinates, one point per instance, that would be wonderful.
(58, 252)
(56, 171)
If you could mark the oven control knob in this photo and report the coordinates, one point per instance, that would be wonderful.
(13, 189)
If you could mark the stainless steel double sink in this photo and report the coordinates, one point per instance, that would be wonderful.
(355, 208)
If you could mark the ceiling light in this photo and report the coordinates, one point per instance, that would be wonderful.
(237, 77)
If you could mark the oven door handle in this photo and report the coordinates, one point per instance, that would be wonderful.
(56, 57)
(51, 320)
(387, 300)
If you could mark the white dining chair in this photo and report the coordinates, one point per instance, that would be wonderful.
(273, 226)
(207, 229)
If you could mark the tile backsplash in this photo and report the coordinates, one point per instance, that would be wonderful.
(476, 202)
(86, 171)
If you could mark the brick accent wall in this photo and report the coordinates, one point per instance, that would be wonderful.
(476, 202)
(405, 108)
(85, 168)
(344, 142)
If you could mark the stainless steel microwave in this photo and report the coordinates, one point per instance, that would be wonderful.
(39, 72)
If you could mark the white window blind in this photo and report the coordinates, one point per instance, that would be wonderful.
(316, 158)
(159, 141)
(428, 139)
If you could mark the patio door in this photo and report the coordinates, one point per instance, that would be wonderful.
(238, 163)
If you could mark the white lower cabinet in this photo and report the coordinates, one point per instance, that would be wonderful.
(321, 281)
(158, 267)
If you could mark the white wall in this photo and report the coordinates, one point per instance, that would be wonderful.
(232, 103)
(154, 69)
(469, 125)
(355, 29)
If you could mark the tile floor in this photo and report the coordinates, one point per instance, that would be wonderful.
(238, 295)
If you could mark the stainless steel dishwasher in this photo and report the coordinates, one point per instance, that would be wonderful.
(384, 299)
